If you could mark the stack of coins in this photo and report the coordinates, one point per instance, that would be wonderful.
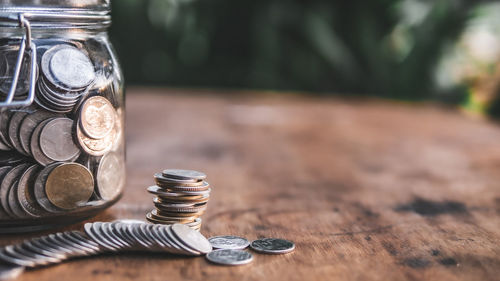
(61, 84)
(181, 197)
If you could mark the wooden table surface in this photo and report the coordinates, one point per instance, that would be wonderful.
(368, 190)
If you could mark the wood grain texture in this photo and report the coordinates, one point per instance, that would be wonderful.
(367, 190)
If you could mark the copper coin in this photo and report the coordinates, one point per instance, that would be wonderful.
(164, 220)
(56, 140)
(110, 176)
(69, 186)
(156, 214)
(164, 213)
(96, 147)
(97, 117)
(175, 188)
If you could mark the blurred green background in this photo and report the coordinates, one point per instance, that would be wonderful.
(444, 50)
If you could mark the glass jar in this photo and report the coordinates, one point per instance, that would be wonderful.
(62, 150)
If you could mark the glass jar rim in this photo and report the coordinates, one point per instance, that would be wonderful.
(56, 17)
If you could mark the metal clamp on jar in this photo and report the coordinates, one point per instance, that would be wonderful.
(62, 151)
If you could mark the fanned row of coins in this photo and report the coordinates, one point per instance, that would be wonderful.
(181, 196)
(100, 237)
(66, 148)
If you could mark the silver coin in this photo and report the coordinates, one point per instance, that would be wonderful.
(80, 238)
(37, 258)
(5, 255)
(129, 221)
(94, 232)
(273, 246)
(115, 233)
(14, 124)
(110, 176)
(144, 233)
(184, 174)
(3, 171)
(51, 249)
(13, 202)
(29, 124)
(228, 242)
(6, 184)
(156, 244)
(13, 252)
(77, 249)
(36, 150)
(72, 68)
(4, 146)
(121, 230)
(67, 67)
(56, 140)
(10, 271)
(191, 238)
(230, 257)
(107, 231)
(133, 231)
(160, 234)
(26, 194)
(5, 115)
(56, 244)
(29, 245)
(40, 195)
(177, 243)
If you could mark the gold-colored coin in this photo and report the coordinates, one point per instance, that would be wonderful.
(177, 214)
(96, 147)
(69, 186)
(152, 216)
(97, 117)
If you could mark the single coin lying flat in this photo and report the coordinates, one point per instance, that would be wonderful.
(273, 246)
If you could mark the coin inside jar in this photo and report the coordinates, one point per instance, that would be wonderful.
(29, 124)
(56, 140)
(25, 191)
(97, 117)
(67, 67)
(69, 186)
(96, 147)
(110, 176)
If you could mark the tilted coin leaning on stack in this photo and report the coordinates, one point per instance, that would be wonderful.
(181, 197)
